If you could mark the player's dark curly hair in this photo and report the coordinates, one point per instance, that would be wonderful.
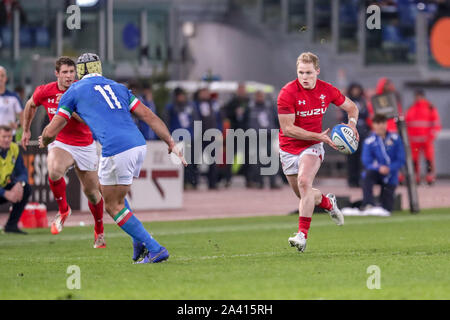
(64, 61)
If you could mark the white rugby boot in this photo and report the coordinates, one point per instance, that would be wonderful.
(299, 241)
(335, 213)
(58, 222)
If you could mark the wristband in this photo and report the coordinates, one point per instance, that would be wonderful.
(352, 120)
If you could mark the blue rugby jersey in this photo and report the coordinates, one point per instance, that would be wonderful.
(105, 106)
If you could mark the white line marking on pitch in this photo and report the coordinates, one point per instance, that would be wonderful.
(225, 228)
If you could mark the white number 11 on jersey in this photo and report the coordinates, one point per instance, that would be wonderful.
(111, 93)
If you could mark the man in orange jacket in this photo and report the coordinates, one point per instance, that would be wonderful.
(423, 124)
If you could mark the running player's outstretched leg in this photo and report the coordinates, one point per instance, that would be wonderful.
(58, 162)
(139, 249)
(114, 196)
(90, 184)
(328, 202)
(307, 169)
(96, 209)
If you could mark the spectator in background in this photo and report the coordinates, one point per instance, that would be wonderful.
(235, 113)
(262, 115)
(11, 109)
(20, 92)
(14, 187)
(134, 87)
(235, 109)
(144, 95)
(423, 124)
(383, 156)
(354, 167)
(7, 8)
(181, 114)
(385, 85)
(209, 112)
(147, 99)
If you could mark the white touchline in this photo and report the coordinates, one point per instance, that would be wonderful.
(257, 226)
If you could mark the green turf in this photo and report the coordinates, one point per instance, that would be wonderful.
(246, 258)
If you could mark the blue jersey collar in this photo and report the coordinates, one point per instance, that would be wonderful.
(92, 75)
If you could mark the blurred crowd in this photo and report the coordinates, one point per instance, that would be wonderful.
(421, 119)
(240, 110)
(257, 110)
(381, 156)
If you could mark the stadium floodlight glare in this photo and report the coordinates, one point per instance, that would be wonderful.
(421, 6)
(188, 29)
(86, 3)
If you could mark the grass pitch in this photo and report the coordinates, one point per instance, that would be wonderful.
(245, 258)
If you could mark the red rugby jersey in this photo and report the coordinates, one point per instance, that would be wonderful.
(74, 133)
(309, 106)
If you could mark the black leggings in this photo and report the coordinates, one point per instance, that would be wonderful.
(18, 207)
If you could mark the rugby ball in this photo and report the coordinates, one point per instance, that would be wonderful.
(344, 138)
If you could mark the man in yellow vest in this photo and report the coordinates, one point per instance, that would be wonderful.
(14, 185)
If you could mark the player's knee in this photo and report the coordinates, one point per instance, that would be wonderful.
(304, 184)
(91, 195)
(55, 173)
(55, 170)
(111, 208)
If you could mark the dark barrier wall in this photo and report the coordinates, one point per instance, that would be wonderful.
(35, 160)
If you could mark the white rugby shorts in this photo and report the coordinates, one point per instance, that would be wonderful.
(85, 157)
(122, 167)
(289, 161)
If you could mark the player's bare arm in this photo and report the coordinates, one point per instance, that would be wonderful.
(352, 111)
(293, 131)
(28, 116)
(77, 117)
(51, 131)
(160, 128)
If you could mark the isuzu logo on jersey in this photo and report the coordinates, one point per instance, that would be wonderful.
(312, 112)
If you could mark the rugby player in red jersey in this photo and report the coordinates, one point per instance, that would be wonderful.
(74, 146)
(301, 106)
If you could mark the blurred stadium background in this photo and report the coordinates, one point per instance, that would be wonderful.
(169, 43)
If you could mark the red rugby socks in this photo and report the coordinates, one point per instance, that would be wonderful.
(303, 225)
(58, 188)
(326, 203)
(97, 212)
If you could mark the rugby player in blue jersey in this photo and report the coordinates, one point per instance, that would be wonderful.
(106, 106)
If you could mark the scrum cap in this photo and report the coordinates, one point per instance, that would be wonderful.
(88, 63)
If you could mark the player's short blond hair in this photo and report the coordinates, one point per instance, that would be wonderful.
(308, 57)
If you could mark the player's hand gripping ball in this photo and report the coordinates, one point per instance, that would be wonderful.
(344, 138)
